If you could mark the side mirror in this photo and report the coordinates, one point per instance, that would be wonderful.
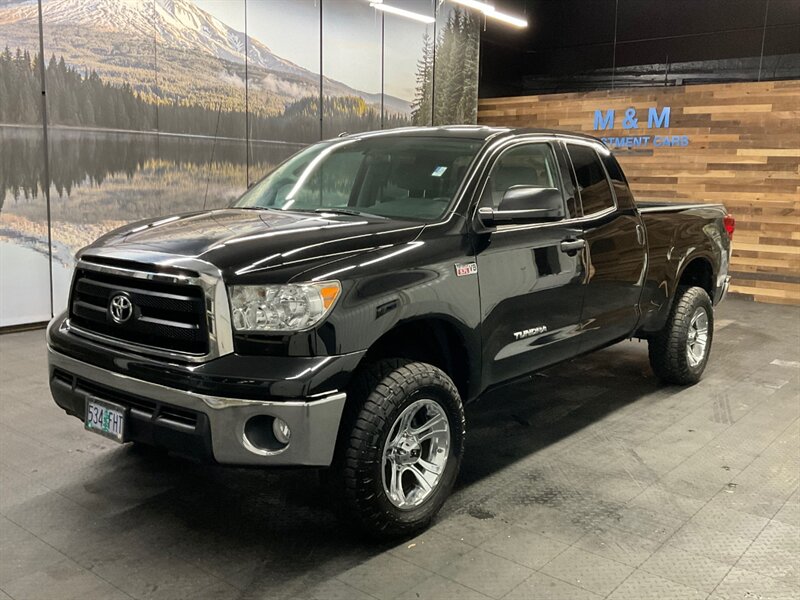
(524, 204)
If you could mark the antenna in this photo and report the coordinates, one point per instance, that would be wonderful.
(213, 148)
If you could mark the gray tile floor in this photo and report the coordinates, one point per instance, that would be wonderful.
(589, 481)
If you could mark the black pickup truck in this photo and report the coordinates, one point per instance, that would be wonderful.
(341, 312)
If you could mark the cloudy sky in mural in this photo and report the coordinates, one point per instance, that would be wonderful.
(290, 28)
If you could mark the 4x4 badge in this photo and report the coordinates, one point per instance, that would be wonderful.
(463, 269)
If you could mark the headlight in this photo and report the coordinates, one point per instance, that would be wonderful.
(291, 307)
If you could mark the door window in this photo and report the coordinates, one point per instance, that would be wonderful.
(529, 165)
(595, 191)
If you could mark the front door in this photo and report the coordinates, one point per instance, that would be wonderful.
(531, 276)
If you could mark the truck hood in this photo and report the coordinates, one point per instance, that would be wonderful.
(259, 244)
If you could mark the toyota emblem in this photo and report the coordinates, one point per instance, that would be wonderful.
(120, 308)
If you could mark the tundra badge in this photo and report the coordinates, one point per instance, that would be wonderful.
(525, 333)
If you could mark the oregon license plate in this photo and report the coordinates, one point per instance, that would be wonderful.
(105, 418)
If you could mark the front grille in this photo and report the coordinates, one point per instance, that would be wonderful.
(166, 316)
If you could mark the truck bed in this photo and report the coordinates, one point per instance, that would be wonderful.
(674, 231)
(664, 206)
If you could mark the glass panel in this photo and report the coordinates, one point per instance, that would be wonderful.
(24, 260)
(201, 72)
(283, 79)
(402, 177)
(456, 69)
(531, 165)
(593, 184)
(408, 66)
(621, 189)
(24, 250)
(351, 40)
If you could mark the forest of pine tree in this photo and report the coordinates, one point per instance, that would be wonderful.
(19, 87)
(447, 85)
(446, 93)
(85, 100)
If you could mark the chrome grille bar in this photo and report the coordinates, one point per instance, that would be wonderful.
(165, 286)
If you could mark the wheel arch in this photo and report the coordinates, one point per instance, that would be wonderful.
(694, 269)
(436, 340)
(697, 270)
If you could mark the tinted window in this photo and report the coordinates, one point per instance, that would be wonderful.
(592, 182)
(621, 189)
(403, 177)
(529, 165)
(329, 185)
(613, 170)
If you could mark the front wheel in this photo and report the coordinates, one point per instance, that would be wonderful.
(400, 447)
(679, 352)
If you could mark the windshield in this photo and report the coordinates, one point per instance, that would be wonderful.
(395, 177)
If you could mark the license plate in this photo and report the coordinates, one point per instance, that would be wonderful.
(105, 418)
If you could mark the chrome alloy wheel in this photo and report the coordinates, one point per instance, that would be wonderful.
(697, 340)
(415, 454)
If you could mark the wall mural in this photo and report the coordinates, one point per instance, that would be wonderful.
(164, 106)
(455, 68)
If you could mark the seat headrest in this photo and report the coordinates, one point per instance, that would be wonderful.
(507, 177)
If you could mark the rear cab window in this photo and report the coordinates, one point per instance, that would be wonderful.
(593, 185)
(621, 188)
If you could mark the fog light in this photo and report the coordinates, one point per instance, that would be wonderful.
(280, 429)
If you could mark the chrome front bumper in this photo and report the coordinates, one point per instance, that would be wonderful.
(314, 422)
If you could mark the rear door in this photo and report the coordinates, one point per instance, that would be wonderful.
(615, 249)
(530, 276)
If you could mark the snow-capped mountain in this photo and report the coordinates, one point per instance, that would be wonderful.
(116, 37)
(179, 24)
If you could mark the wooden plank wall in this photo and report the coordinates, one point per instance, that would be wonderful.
(743, 151)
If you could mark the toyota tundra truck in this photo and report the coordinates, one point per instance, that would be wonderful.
(343, 310)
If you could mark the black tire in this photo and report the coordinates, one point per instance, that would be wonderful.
(669, 357)
(379, 395)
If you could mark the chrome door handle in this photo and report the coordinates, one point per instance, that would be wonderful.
(572, 246)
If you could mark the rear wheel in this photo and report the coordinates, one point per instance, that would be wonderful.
(679, 352)
(400, 447)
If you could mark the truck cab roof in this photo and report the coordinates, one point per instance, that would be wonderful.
(473, 132)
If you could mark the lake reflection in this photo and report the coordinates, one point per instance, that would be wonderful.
(101, 180)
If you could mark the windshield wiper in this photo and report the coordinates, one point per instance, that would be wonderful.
(338, 210)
